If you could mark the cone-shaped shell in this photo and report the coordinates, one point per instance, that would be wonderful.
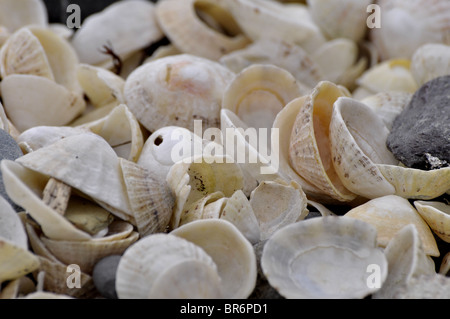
(154, 257)
(437, 216)
(309, 150)
(230, 250)
(177, 90)
(389, 214)
(181, 22)
(297, 259)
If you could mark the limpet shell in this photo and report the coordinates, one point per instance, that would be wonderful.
(296, 259)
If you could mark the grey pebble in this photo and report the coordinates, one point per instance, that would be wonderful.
(420, 136)
(104, 276)
(9, 150)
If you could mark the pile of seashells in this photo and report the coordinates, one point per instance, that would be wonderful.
(92, 113)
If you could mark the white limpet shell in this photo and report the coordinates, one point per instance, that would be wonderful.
(25, 188)
(276, 205)
(230, 250)
(171, 259)
(46, 102)
(101, 86)
(437, 216)
(388, 105)
(407, 25)
(282, 54)
(176, 90)
(269, 19)
(259, 92)
(16, 14)
(193, 178)
(297, 259)
(365, 165)
(204, 28)
(309, 143)
(430, 61)
(126, 26)
(343, 19)
(390, 75)
(389, 214)
(406, 259)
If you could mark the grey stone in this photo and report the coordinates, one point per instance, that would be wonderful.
(420, 136)
(9, 150)
(104, 276)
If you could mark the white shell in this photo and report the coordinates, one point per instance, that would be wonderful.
(437, 216)
(430, 61)
(297, 259)
(16, 14)
(11, 227)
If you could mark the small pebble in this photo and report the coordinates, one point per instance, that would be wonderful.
(104, 276)
(9, 150)
(420, 136)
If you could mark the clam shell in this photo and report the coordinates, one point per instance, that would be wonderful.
(389, 214)
(408, 25)
(276, 205)
(309, 150)
(211, 37)
(154, 257)
(296, 259)
(406, 260)
(118, 26)
(430, 61)
(176, 90)
(230, 250)
(437, 216)
(16, 14)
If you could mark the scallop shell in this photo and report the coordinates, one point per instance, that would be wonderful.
(309, 150)
(437, 216)
(277, 205)
(171, 259)
(296, 259)
(258, 93)
(229, 249)
(430, 61)
(406, 260)
(194, 178)
(202, 28)
(365, 165)
(406, 25)
(124, 26)
(269, 19)
(389, 214)
(176, 90)
(282, 54)
(340, 19)
(16, 14)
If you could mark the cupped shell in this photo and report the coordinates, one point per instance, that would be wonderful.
(296, 259)
(437, 216)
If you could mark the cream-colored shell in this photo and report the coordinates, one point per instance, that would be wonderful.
(437, 216)
(16, 14)
(125, 26)
(309, 150)
(389, 214)
(430, 61)
(230, 250)
(176, 90)
(444, 269)
(15, 261)
(426, 287)
(160, 256)
(11, 227)
(324, 257)
(211, 37)
(406, 260)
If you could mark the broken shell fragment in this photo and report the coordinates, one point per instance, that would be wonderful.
(437, 216)
(296, 259)
(389, 214)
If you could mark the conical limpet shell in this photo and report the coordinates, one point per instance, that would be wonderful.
(296, 259)
(176, 90)
(389, 214)
(309, 150)
(406, 260)
(158, 256)
(181, 22)
(230, 250)
(437, 216)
